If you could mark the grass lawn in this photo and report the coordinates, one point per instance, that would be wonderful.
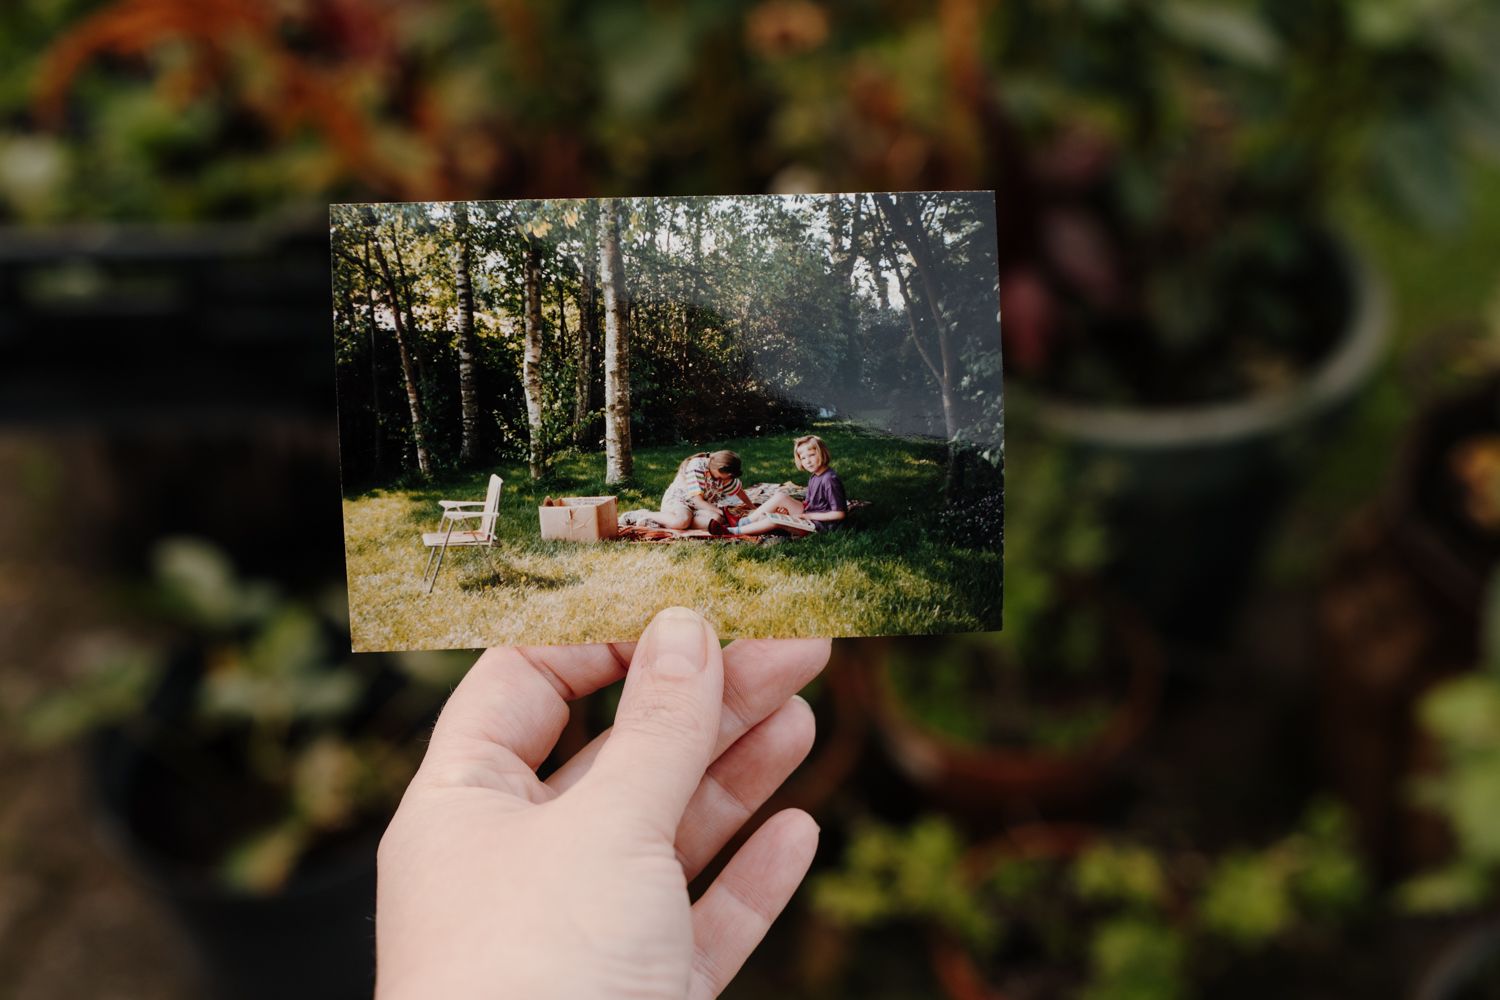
(892, 570)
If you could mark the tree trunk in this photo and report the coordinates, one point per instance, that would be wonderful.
(921, 254)
(531, 373)
(587, 322)
(404, 287)
(374, 367)
(617, 457)
(408, 368)
(468, 383)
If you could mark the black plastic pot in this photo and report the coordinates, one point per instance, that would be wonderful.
(185, 375)
(1200, 487)
(1468, 969)
(167, 805)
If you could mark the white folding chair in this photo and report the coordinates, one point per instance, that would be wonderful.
(455, 511)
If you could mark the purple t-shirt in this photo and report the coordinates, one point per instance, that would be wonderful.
(825, 492)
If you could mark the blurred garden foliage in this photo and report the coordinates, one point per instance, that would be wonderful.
(1160, 166)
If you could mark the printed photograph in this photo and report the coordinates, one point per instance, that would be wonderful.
(558, 417)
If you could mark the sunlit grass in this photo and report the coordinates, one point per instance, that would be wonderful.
(892, 572)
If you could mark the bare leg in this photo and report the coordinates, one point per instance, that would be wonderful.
(672, 515)
(702, 519)
(781, 502)
(765, 527)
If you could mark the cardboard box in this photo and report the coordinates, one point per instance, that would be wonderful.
(579, 519)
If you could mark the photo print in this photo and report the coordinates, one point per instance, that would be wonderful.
(557, 418)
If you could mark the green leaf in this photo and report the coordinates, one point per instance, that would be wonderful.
(644, 54)
(1458, 886)
(1234, 33)
(1136, 959)
(1246, 900)
(114, 689)
(1463, 713)
(1415, 164)
(263, 861)
(1120, 873)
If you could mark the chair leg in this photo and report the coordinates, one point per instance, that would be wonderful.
(426, 570)
(441, 552)
(436, 569)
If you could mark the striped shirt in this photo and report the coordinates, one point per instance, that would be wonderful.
(694, 479)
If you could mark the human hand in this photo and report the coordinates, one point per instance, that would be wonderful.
(493, 883)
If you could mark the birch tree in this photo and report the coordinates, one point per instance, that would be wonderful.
(531, 372)
(406, 348)
(468, 382)
(617, 457)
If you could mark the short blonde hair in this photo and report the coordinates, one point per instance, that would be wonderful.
(823, 457)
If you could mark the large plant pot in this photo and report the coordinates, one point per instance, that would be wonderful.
(315, 938)
(1200, 487)
(168, 806)
(961, 977)
(986, 782)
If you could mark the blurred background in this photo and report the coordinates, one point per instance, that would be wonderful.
(1242, 732)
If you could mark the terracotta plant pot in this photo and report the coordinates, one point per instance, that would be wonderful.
(983, 781)
(960, 976)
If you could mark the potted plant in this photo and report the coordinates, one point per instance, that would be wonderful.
(1048, 910)
(1172, 291)
(1038, 712)
(246, 769)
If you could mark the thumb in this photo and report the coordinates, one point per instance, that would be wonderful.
(668, 720)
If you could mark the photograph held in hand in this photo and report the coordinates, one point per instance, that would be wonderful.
(559, 417)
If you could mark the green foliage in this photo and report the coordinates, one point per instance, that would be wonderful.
(1462, 715)
(1143, 923)
(1120, 873)
(995, 687)
(911, 874)
(271, 684)
(1310, 875)
(1136, 958)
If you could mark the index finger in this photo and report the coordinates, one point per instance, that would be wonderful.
(512, 705)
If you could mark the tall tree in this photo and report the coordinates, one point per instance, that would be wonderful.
(403, 343)
(468, 382)
(369, 271)
(531, 371)
(910, 231)
(843, 234)
(587, 324)
(618, 463)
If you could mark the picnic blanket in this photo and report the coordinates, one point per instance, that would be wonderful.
(636, 528)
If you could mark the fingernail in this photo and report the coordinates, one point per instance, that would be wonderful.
(679, 643)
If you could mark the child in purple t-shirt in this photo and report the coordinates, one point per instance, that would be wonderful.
(825, 505)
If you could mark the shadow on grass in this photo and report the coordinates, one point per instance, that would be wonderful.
(511, 577)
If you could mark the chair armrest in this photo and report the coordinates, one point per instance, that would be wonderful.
(447, 504)
(459, 515)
